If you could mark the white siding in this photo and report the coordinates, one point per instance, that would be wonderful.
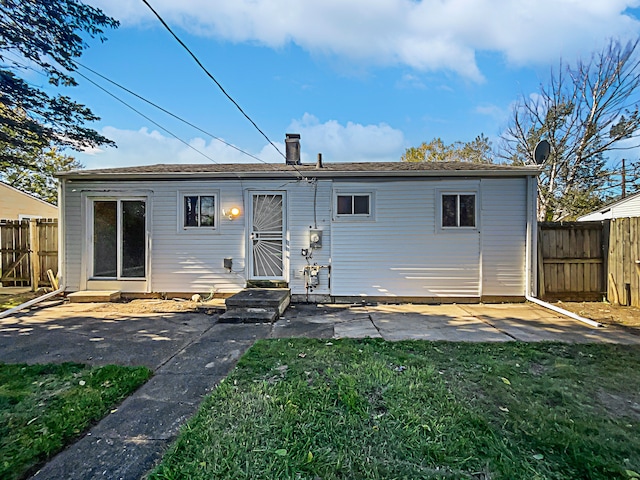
(503, 236)
(631, 208)
(627, 207)
(192, 261)
(401, 252)
(301, 198)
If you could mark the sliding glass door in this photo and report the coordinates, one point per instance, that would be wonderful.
(119, 239)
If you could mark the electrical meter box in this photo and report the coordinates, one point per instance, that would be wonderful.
(315, 238)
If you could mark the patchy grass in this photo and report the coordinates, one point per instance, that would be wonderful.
(308, 409)
(45, 407)
(13, 300)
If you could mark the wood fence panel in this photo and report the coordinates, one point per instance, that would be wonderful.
(17, 257)
(48, 247)
(573, 266)
(14, 247)
(624, 254)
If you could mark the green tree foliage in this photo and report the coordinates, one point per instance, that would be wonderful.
(46, 36)
(585, 112)
(477, 151)
(39, 179)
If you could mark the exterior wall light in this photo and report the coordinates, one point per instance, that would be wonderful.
(231, 213)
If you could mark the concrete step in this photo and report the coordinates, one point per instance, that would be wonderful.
(249, 315)
(274, 298)
(90, 296)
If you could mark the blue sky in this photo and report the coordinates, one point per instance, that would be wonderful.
(360, 80)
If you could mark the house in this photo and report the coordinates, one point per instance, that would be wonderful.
(625, 207)
(18, 205)
(330, 232)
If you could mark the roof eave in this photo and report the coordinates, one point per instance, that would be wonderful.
(79, 175)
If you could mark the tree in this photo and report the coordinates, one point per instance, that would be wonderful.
(47, 35)
(585, 113)
(477, 151)
(39, 179)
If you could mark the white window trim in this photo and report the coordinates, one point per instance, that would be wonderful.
(354, 217)
(443, 229)
(200, 193)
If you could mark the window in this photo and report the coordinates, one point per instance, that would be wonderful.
(458, 210)
(199, 211)
(354, 204)
(119, 239)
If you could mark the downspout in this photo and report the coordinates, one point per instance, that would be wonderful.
(13, 310)
(531, 260)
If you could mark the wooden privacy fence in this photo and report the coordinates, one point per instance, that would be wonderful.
(624, 262)
(572, 262)
(590, 261)
(28, 248)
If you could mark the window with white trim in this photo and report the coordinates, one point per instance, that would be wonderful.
(458, 210)
(357, 204)
(199, 211)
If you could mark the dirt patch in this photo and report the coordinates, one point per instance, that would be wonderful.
(619, 406)
(159, 306)
(605, 312)
(128, 306)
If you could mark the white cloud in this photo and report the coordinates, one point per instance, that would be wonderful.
(424, 35)
(338, 143)
(144, 147)
(499, 114)
(352, 142)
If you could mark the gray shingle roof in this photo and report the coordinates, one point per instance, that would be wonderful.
(277, 170)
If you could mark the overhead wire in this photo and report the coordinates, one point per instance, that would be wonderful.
(195, 58)
(177, 117)
(146, 117)
(204, 69)
(27, 67)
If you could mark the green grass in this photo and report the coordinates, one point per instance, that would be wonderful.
(44, 407)
(307, 409)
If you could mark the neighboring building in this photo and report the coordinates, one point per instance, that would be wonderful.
(422, 231)
(18, 205)
(626, 207)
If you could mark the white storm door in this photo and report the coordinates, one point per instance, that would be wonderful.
(267, 236)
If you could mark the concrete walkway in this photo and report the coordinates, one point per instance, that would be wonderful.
(190, 353)
(457, 323)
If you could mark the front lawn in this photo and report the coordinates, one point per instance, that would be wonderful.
(368, 409)
(45, 407)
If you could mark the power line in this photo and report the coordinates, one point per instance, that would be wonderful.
(169, 113)
(210, 75)
(27, 67)
(146, 117)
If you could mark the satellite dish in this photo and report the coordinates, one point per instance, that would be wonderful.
(541, 152)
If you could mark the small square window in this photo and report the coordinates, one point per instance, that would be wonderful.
(199, 210)
(459, 210)
(354, 205)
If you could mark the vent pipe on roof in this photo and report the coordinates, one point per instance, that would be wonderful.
(292, 143)
(319, 162)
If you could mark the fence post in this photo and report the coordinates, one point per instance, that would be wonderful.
(606, 242)
(34, 259)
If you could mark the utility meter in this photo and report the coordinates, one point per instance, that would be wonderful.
(315, 238)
